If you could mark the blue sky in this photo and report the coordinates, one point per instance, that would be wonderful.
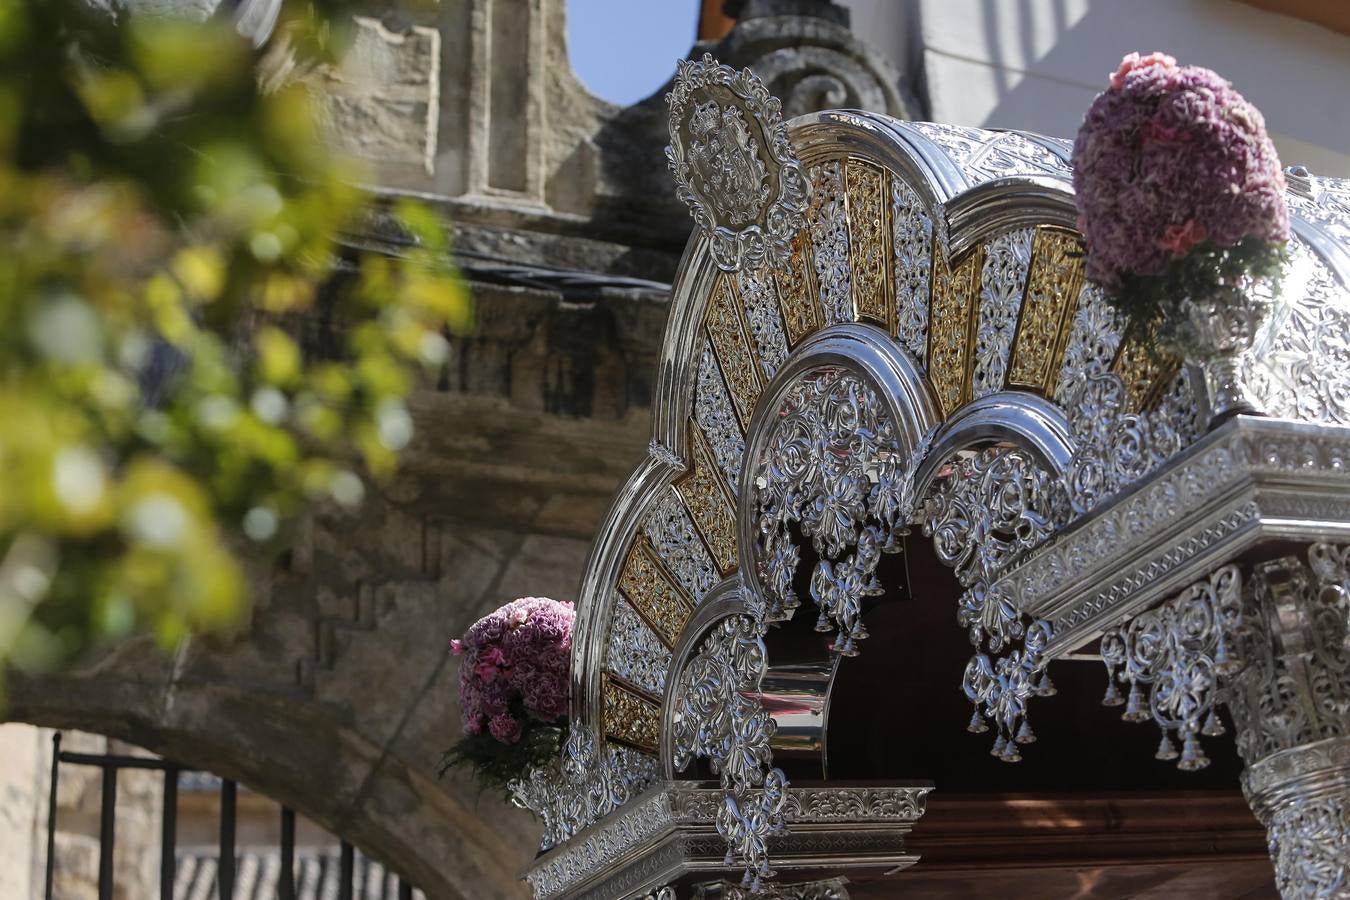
(623, 50)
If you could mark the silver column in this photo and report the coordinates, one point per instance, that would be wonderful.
(1291, 705)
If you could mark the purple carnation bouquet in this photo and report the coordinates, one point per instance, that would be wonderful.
(513, 689)
(1179, 191)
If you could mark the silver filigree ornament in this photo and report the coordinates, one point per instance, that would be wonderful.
(826, 889)
(833, 468)
(1275, 648)
(989, 155)
(989, 509)
(1115, 449)
(586, 782)
(1303, 370)
(1294, 687)
(733, 165)
(1003, 282)
(1309, 845)
(1291, 708)
(1178, 653)
(716, 716)
(912, 237)
(665, 892)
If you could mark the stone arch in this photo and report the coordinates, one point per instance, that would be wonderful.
(305, 755)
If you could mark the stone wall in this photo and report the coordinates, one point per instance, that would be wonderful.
(25, 782)
(23, 811)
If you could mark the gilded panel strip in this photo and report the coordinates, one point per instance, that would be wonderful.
(797, 291)
(653, 592)
(1146, 375)
(727, 331)
(1047, 311)
(951, 331)
(628, 715)
(870, 241)
(709, 502)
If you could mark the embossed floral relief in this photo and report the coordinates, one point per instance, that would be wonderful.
(833, 469)
(716, 716)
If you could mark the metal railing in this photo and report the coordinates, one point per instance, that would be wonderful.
(227, 858)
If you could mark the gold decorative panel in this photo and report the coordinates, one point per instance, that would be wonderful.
(710, 504)
(654, 593)
(731, 343)
(870, 240)
(951, 328)
(1053, 283)
(629, 715)
(1145, 375)
(797, 291)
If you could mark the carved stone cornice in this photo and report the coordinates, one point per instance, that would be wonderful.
(1248, 481)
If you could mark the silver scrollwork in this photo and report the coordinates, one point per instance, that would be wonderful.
(1295, 687)
(1310, 846)
(833, 467)
(989, 508)
(732, 163)
(585, 783)
(1003, 282)
(1303, 370)
(1277, 650)
(714, 414)
(912, 236)
(1116, 448)
(828, 219)
(717, 718)
(665, 892)
(1291, 707)
(987, 155)
(671, 531)
(999, 686)
(828, 889)
(1177, 652)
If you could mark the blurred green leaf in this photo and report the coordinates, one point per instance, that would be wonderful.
(169, 227)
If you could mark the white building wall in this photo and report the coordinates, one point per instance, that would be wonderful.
(1037, 64)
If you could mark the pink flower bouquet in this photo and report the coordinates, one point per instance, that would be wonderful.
(1179, 189)
(513, 688)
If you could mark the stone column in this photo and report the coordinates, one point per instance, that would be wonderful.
(1291, 705)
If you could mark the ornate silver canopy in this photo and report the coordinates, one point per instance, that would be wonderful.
(915, 350)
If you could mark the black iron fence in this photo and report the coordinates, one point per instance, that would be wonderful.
(372, 884)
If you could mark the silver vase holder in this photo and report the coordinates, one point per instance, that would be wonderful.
(1213, 333)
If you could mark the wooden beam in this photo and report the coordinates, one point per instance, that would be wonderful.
(1335, 16)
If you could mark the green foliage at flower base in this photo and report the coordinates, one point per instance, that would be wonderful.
(1147, 301)
(168, 230)
(495, 764)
